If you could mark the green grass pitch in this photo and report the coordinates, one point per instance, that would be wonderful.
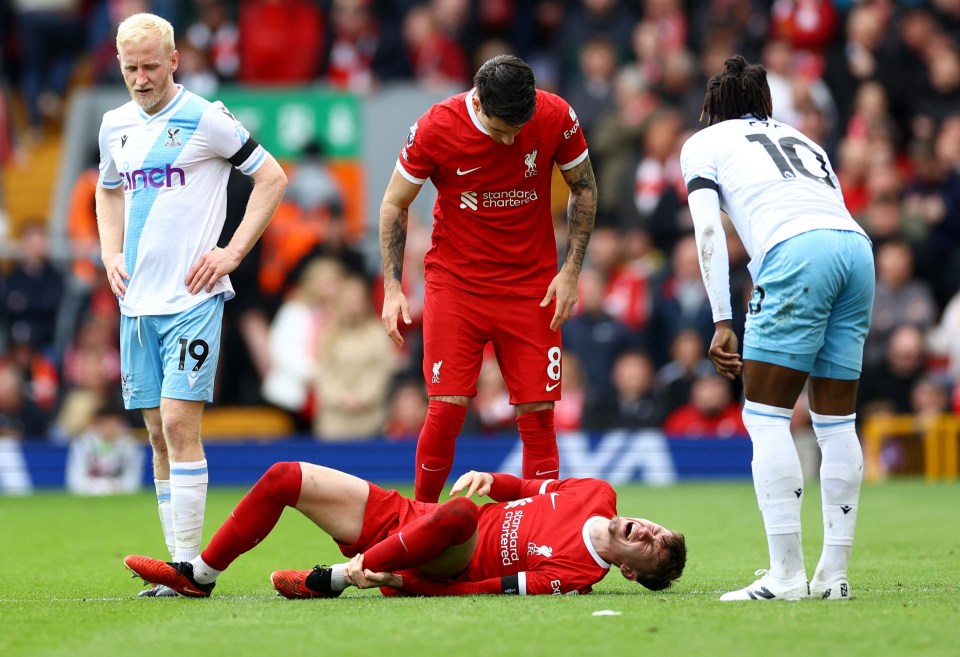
(64, 591)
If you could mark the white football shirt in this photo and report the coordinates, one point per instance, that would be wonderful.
(774, 182)
(174, 168)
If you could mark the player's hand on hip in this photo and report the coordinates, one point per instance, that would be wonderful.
(395, 306)
(473, 482)
(210, 268)
(723, 352)
(117, 274)
(564, 288)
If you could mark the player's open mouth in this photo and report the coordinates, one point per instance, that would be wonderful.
(629, 530)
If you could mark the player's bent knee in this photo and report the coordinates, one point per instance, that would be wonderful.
(462, 515)
(282, 482)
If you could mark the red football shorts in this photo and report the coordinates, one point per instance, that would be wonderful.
(387, 511)
(457, 325)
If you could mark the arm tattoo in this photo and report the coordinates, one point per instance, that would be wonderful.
(393, 248)
(581, 211)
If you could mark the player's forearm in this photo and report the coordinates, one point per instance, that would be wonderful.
(110, 220)
(393, 241)
(505, 487)
(581, 215)
(712, 248)
(267, 193)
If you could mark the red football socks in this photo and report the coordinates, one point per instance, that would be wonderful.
(256, 515)
(425, 539)
(435, 449)
(541, 458)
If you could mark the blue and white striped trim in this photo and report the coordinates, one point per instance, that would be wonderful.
(765, 410)
(256, 164)
(189, 472)
(824, 421)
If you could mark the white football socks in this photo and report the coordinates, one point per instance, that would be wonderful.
(188, 497)
(202, 572)
(162, 487)
(337, 580)
(841, 474)
(778, 481)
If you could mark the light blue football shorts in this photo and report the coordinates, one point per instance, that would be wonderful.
(173, 356)
(811, 304)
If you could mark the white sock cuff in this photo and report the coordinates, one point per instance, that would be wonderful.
(202, 572)
(338, 581)
(162, 487)
(189, 472)
(764, 410)
(832, 422)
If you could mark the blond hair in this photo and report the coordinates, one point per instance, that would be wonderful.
(140, 27)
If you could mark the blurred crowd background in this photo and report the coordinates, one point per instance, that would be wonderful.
(876, 83)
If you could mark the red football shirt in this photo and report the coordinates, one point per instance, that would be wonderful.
(543, 539)
(493, 230)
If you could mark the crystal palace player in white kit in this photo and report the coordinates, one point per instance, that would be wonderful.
(491, 272)
(543, 537)
(161, 204)
(812, 267)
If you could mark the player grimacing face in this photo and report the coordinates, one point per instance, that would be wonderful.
(637, 545)
(500, 131)
(148, 73)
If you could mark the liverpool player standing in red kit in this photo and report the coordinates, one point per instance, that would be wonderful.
(542, 537)
(491, 272)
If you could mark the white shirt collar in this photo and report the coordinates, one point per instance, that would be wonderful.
(589, 543)
(471, 110)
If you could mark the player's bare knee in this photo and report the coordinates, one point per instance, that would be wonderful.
(459, 400)
(157, 442)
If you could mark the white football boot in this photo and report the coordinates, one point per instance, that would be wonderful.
(769, 587)
(835, 588)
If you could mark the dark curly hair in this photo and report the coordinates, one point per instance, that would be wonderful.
(670, 566)
(506, 89)
(740, 89)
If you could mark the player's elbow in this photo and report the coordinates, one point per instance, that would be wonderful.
(279, 179)
(271, 175)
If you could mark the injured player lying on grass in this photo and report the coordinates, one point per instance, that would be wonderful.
(540, 537)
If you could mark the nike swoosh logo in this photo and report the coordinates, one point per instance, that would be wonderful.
(192, 379)
(553, 496)
(463, 173)
(431, 469)
(187, 589)
(550, 387)
(545, 472)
